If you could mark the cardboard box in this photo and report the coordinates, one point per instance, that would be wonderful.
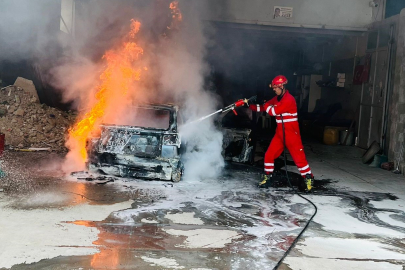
(340, 84)
(341, 75)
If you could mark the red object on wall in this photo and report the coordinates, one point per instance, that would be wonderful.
(2, 141)
(358, 73)
(366, 70)
(362, 72)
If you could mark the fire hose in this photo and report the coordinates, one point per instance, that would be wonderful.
(228, 108)
(237, 104)
(295, 192)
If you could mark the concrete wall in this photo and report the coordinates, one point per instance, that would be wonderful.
(329, 14)
(397, 106)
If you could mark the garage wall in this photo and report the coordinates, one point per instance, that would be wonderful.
(397, 107)
(342, 14)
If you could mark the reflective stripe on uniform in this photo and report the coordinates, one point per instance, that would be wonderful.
(309, 172)
(287, 120)
(303, 168)
(268, 164)
(258, 107)
(289, 114)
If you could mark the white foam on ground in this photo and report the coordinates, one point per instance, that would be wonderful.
(174, 196)
(167, 263)
(343, 253)
(333, 215)
(336, 264)
(205, 238)
(209, 197)
(386, 217)
(389, 204)
(184, 218)
(332, 248)
(32, 235)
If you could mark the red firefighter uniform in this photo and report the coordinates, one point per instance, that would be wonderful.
(284, 107)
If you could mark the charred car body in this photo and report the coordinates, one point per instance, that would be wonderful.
(140, 151)
(152, 149)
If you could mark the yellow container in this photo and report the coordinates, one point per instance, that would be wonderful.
(331, 136)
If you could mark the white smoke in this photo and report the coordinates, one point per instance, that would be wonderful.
(76, 77)
(28, 28)
(176, 65)
(203, 158)
(183, 72)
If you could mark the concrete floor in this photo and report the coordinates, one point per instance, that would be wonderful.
(48, 221)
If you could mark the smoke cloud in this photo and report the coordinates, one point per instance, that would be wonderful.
(184, 69)
(172, 69)
(28, 28)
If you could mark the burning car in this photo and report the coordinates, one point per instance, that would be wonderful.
(151, 148)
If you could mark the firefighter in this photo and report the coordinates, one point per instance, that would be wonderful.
(284, 108)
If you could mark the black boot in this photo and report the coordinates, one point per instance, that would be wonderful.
(309, 182)
(266, 181)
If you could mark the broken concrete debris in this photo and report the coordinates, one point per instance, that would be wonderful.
(28, 87)
(28, 124)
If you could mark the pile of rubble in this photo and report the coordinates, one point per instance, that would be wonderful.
(28, 124)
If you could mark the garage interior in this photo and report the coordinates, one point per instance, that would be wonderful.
(344, 64)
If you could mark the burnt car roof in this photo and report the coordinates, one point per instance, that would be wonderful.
(167, 106)
(174, 109)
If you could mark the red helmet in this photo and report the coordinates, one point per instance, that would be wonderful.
(279, 81)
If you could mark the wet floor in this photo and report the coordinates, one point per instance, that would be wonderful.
(223, 223)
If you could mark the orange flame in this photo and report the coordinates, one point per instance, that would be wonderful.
(115, 82)
(135, 27)
(113, 92)
(177, 17)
